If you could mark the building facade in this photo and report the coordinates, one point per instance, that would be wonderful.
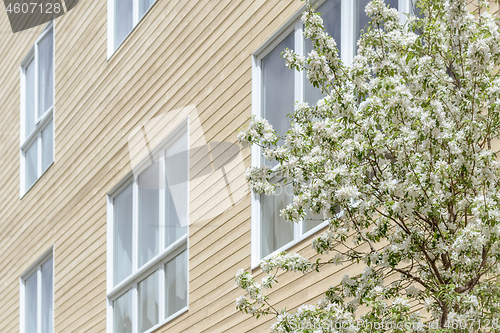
(124, 201)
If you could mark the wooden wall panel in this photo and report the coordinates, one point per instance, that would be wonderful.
(194, 52)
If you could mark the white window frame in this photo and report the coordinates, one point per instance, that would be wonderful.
(43, 120)
(347, 52)
(156, 264)
(35, 267)
(111, 24)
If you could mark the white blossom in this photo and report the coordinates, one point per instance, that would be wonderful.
(398, 159)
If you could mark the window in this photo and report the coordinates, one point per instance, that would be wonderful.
(276, 89)
(37, 297)
(331, 13)
(37, 110)
(362, 20)
(147, 235)
(123, 16)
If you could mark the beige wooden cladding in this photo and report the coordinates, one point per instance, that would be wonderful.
(194, 52)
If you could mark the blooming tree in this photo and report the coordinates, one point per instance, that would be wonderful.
(398, 158)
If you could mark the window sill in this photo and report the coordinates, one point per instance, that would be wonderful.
(293, 243)
(36, 181)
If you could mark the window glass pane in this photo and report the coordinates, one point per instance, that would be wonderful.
(330, 12)
(362, 19)
(417, 11)
(392, 3)
(122, 314)
(47, 145)
(311, 221)
(275, 232)
(29, 116)
(122, 242)
(45, 73)
(176, 190)
(144, 6)
(30, 165)
(31, 303)
(176, 284)
(123, 20)
(47, 294)
(149, 202)
(278, 88)
(148, 302)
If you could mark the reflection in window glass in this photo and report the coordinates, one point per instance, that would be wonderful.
(31, 303)
(29, 114)
(176, 190)
(47, 297)
(149, 207)
(122, 312)
(45, 73)
(331, 14)
(47, 146)
(123, 20)
(311, 221)
(176, 284)
(148, 302)
(278, 88)
(416, 10)
(31, 167)
(144, 6)
(275, 232)
(122, 261)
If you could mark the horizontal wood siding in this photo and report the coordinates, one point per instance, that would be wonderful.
(193, 52)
